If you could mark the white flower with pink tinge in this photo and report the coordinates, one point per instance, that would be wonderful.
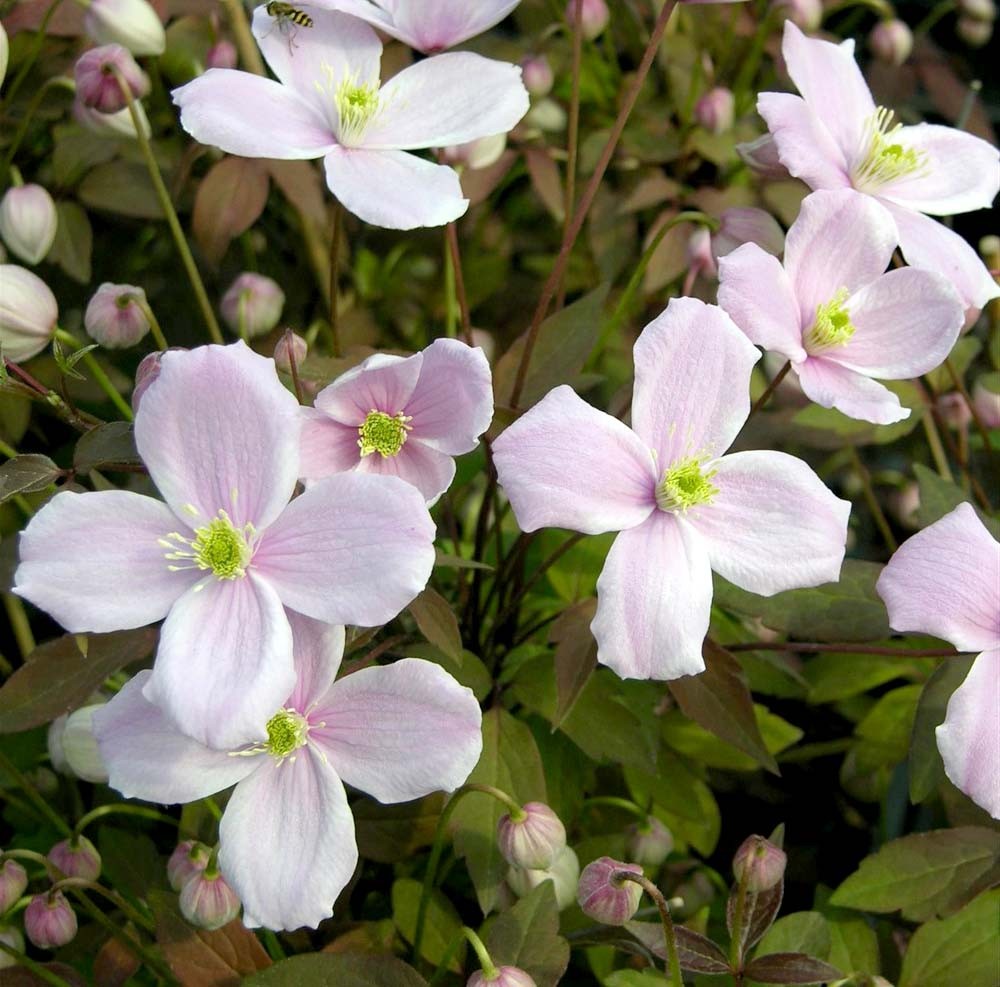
(834, 312)
(330, 104)
(945, 581)
(401, 416)
(834, 136)
(230, 549)
(763, 520)
(286, 840)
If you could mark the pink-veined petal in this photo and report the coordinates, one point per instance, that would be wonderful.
(287, 842)
(857, 396)
(326, 446)
(430, 471)
(755, 293)
(692, 381)
(318, 650)
(215, 111)
(400, 731)
(564, 464)
(654, 600)
(774, 525)
(382, 383)
(224, 665)
(969, 738)
(218, 431)
(394, 189)
(841, 239)
(353, 549)
(148, 758)
(945, 581)
(432, 25)
(94, 561)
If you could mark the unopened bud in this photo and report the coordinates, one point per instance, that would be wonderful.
(978, 10)
(564, 875)
(147, 371)
(28, 313)
(537, 75)
(594, 16)
(77, 858)
(49, 921)
(714, 111)
(10, 935)
(96, 84)
(649, 843)
(760, 863)
(4, 53)
(606, 897)
(761, 157)
(891, 41)
(13, 881)
(506, 976)
(699, 254)
(746, 224)
(80, 745)
(222, 55)
(904, 504)
(954, 410)
(110, 124)
(114, 316)
(208, 902)
(479, 153)
(133, 24)
(28, 222)
(974, 32)
(188, 859)
(986, 399)
(252, 305)
(290, 348)
(533, 841)
(806, 14)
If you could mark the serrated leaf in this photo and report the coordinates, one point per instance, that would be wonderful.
(527, 936)
(438, 623)
(695, 952)
(337, 970)
(26, 474)
(111, 443)
(791, 968)
(442, 925)
(575, 655)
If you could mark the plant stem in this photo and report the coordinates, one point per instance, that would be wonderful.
(47, 813)
(956, 379)
(246, 45)
(451, 234)
(336, 237)
(97, 372)
(19, 623)
(614, 802)
(29, 114)
(154, 325)
(482, 954)
(29, 62)
(872, 501)
(125, 809)
(770, 389)
(738, 937)
(37, 969)
(572, 132)
(82, 884)
(670, 940)
(844, 647)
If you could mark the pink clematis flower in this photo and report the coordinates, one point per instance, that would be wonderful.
(227, 553)
(764, 520)
(834, 136)
(286, 840)
(330, 104)
(404, 417)
(834, 313)
(945, 581)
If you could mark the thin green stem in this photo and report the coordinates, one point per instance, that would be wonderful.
(843, 647)
(29, 62)
(959, 384)
(450, 302)
(738, 937)
(770, 389)
(614, 802)
(154, 324)
(19, 623)
(336, 240)
(22, 127)
(871, 500)
(670, 939)
(122, 808)
(937, 449)
(97, 372)
(82, 884)
(572, 131)
(37, 969)
(482, 954)
(8, 767)
(245, 43)
(451, 234)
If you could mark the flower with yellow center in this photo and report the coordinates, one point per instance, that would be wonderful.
(382, 433)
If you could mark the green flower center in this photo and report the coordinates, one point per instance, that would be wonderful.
(832, 327)
(382, 433)
(218, 547)
(356, 106)
(286, 733)
(684, 485)
(885, 159)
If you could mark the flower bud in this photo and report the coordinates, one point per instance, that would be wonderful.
(954, 410)
(761, 157)
(537, 75)
(114, 317)
(289, 348)
(80, 746)
(10, 935)
(13, 881)
(188, 859)
(986, 399)
(547, 115)
(96, 84)
(746, 224)
(891, 41)
(28, 222)
(134, 24)
(115, 125)
(507, 976)
(606, 898)
(974, 32)
(49, 920)
(81, 860)
(805, 14)
(714, 111)
(904, 504)
(564, 875)
(479, 153)
(222, 55)
(147, 371)
(4, 53)
(699, 254)
(594, 16)
(28, 313)
(534, 841)
(208, 902)
(649, 843)
(978, 10)
(760, 863)
(252, 305)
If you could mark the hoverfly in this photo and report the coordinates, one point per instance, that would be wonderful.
(287, 17)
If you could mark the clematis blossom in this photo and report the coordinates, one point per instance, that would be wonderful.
(764, 520)
(834, 312)
(330, 104)
(286, 840)
(834, 136)
(945, 581)
(401, 416)
(229, 553)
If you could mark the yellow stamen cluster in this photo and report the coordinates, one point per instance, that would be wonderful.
(287, 731)
(684, 485)
(832, 327)
(382, 433)
(885, 159)
(218, 547)
(356, 106)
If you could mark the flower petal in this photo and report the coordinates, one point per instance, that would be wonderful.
(394, 189)
(756, 294)
(833, 386)
(326, 446)
(654, 600)
(564, 464)
(430, 471)
(692, 381)
(945, 581)
(773, 525)
(378, 719)
(94, 561)
(224, 665)
(432, 25)
(286, 842)
(969, 738)
(148, 758)
(841, 239)
(218, 431)
(381, 383)
(353, 549)
(282, 125)
(318, 650)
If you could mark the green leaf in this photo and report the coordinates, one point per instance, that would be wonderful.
(695, 952)
(131, 862)
(123, 188)
(391, 833)
(438, 623)
(442, 926)
(527, 936)
(229, 200)
(74, 242)
(939, 497)
(111, 443)
(575, 655)
(26, 474)
(924, 875)
(791, 968)
(800, 932)
(338, 970)
(840, 675)
(962, 354)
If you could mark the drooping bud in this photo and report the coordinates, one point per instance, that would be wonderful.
(49, 921)
(701, 263)
(979, 10)
(806, 14)
(96, 84)
(974, 32)
(291, 347)
(604, 896)
(252, 304)
(10, 935)
(208, 902)
(746, 224)
(904, 504)
(537, 75)
(986, 399)
(147, 371)
(4, 53)
(80, 745)
(476, 154)
(506, 976)
(134, 24)
(760, 863)
(715, 110)
(761, 157)
(564, 875)
(594, 16)
(13, 881)
(891, 41)
(77, 858)
(222, 55)
(28, 313)
(534, 841)
(188, 859)
(648, 843)
(114, 317)
(954, 410)
(28, 222)
(110, 124)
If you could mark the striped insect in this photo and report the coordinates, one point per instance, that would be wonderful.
(287, 18)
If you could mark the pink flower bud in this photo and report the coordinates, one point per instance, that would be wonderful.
(476, 154)
(904, 504)
(746, 224)
(973, 31)
(986, 399)
(806, 14)
(714, 111)
(761, 157)
(4, 53)
(606, 898)
(564, 875)
(594, 16)
(28, 313)
(10, 935)
(114, 317)
(537, 75)
(954, 410)
(110, 124)
(188, 859)
(208, 902)
(49, 920)
(28, 221)
(147, 371)
(507, 976)
(290, 347)
(979, 10)
(79, 745)
(222, 55)
(96, 84)
(134, 24)
(699, 254)
(534, 841)
(649, 843)
(252, 304)
(891, 41)
(13, 881)
(760, 863)
(81, 860)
